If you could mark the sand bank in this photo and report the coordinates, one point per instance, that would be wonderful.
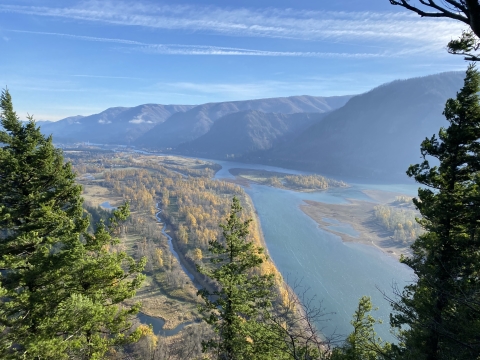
(359, 216)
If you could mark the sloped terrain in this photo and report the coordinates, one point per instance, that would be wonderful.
(187, 126)
(243, 132)
(376, 135)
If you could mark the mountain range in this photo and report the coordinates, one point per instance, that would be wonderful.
(241, 133)
(163, 126)
(189, 125)
(118, 125)
(375, 135)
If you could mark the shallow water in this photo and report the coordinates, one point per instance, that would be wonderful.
(158, 324)
(106, 205)
(340, 227)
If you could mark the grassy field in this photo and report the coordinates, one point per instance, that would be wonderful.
(95, 195)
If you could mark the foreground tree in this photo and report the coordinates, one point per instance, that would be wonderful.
(465, 11)
(250, 317)
(439, 314)
(60, 286)
(235, 309)
(363, 343)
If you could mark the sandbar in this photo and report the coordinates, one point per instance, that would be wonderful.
(359, 215)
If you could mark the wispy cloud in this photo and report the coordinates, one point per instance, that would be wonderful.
(80, 37)
(270, 22)
(249, 90)
(174, 49)
(107, 77)
(180, 49)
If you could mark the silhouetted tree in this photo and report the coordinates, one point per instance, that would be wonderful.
(439, 314)
(465, 11)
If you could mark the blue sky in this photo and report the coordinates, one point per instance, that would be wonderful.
(63, 58)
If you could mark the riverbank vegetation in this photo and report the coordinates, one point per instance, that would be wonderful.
(401, 222)
(287, 181)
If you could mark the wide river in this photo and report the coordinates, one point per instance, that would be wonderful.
(337, 273)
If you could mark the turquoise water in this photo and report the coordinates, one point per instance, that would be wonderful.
(337, 273)
(158, 323)
(106, 205)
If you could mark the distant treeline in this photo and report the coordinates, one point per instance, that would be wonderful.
(311, 182)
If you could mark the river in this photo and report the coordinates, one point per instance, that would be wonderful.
(337, 273)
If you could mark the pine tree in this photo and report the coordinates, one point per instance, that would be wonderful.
(362, 343)
(60, 285)
(439, 314)
(234, 309)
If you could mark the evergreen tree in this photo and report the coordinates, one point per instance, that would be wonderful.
(235, 309)
(439, 314)
(60, 286)
(362, 343)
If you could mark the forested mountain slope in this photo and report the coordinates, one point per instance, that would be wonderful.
(118, 125)
(376, 135)
(243, 132)
(187, 126)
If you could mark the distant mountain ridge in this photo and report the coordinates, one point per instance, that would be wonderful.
(376, 135)
(187, 126)
(118, 125)
(240, 133)
(139, 125)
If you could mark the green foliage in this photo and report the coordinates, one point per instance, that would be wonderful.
(234, 309)
(466, 45)
(96, 215)
(439, 314)
(362, 343)
(400, 221)
(316, 182)
(60, 286)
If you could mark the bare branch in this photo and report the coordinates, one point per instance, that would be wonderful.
(443, 12)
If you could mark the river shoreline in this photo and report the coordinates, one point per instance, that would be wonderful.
(357, 215)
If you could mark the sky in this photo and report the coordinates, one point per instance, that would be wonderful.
(65, 58)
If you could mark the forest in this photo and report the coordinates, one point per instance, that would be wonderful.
(400, 221)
